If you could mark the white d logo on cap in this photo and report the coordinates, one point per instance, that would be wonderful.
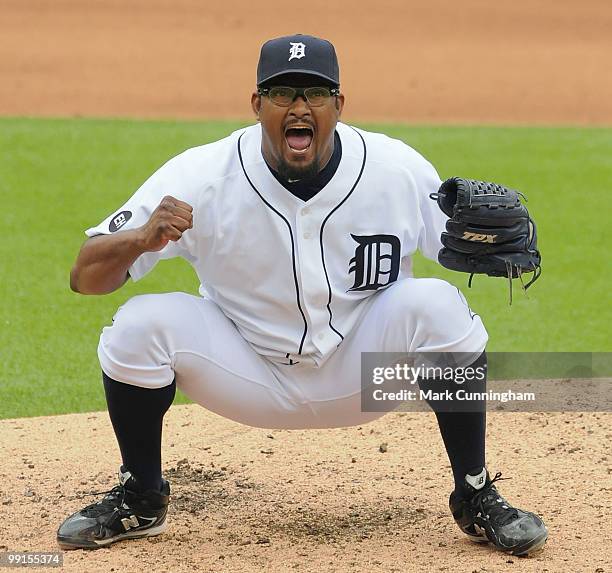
(296, 51)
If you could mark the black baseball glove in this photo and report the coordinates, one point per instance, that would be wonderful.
(489, 231)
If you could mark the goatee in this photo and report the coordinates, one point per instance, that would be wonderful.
(293, 173)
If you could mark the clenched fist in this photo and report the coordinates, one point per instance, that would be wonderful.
(169, 221)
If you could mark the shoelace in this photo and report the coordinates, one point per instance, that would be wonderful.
(493, 505)
(112, 499)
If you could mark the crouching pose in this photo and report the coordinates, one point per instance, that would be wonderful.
(301, 231)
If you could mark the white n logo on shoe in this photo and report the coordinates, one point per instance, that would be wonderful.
(130, 522)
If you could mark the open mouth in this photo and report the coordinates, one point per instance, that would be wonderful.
(299, 138)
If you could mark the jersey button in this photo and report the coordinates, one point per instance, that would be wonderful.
(321, 336)
(305, 211)
(308, 235)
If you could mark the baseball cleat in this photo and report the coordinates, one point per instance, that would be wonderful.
(122, 513)
(487, 517)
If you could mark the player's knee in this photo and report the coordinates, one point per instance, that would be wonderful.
(434, 311)
(137, 348)
(442, 318)
(427, 299)
(140, 327)
(437, 300)
(139, 317)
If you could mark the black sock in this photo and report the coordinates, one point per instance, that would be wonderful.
(464, 432)
(137, 416)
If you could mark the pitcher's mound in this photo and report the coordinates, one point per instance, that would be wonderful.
(246, 499)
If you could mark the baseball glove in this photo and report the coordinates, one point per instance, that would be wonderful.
(489, 231)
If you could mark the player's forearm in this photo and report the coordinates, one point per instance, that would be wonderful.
(103, 262)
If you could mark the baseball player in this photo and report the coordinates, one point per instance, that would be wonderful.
(301, 231)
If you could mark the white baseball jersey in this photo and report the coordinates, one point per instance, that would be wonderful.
(293, 276)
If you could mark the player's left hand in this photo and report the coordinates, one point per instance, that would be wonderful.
(489, 230)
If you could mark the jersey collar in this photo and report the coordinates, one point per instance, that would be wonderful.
(340, 185)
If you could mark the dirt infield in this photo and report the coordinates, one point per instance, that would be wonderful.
(255, 500)
(535, 61)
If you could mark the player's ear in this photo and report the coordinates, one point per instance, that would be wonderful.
(339, 103)
(256, 103)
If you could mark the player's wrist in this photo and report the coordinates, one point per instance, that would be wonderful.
(137, 241)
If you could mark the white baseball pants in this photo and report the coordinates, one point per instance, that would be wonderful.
(159, 337)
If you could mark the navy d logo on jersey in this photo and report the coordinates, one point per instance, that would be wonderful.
(119, 220)
(376, 262)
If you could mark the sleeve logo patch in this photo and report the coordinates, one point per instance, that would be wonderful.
(119, 220)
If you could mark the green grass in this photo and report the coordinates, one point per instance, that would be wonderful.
(57, 177)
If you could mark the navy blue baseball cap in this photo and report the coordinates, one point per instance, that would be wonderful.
(298, 54)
